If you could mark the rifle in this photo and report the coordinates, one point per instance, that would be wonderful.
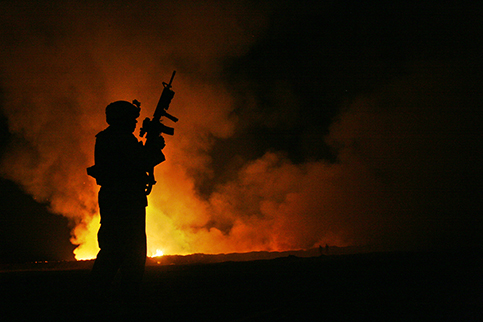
(153, 128)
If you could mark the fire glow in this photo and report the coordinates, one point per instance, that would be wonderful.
(57, 93)
(270, 205)
(392, 175)
(158, 253)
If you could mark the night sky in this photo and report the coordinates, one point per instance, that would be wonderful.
(301, 123)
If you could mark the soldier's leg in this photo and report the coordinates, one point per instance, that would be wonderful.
(107, 263)
(133, 266)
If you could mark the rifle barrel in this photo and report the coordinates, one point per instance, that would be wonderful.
(172, 77)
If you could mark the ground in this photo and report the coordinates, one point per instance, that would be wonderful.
(373, 287)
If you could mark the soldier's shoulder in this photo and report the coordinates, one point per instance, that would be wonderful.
(103, 133)
(113, 136)
(110, 132)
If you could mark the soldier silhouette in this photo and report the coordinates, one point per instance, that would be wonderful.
(121, 165)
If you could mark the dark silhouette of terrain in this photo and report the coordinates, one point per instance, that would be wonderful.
(400, 286)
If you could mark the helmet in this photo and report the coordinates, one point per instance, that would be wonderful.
(121, 111)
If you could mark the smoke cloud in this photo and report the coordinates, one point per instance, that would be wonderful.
(406, 151)
(67, 60)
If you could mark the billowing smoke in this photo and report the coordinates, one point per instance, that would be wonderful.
(405, 175)
(395, 179)
(67, 60)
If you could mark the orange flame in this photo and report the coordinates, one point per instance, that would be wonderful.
(270, 205)
(158, 253)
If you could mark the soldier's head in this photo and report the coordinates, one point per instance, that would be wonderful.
(122, 113)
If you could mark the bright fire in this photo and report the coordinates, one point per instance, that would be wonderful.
(179, 221)
(158, 253)
(270, 204)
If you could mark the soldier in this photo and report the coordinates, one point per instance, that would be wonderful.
(121, 165)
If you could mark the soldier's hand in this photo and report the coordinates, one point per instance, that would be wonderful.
(160, 143)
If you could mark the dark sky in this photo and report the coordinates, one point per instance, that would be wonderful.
(301, 123)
